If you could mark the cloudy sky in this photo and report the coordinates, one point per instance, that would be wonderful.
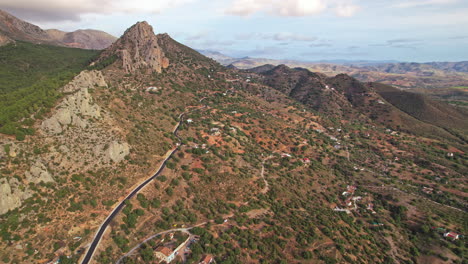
(310, 30)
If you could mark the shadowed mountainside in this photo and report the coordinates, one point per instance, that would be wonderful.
(17, 29)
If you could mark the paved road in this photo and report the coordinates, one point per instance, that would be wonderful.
(97, 238)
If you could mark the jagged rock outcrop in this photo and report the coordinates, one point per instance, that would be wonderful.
(38, 173)
(81, 135)
(78, 105)
(138, 48)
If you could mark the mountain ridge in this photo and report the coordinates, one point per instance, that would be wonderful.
(17, 29)
(401, 74)
(345, 96)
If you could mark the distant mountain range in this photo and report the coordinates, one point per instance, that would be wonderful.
(13, 28)
(238, 62)
(400, 74)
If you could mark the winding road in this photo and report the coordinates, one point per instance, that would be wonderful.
(97, 238)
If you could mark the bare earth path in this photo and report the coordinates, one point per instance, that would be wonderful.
(262, 174)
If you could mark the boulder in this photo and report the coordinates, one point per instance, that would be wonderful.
(8, 200)
(38, 173)
(63, 116)
(51, 126)
(114, 151)
(117, 151)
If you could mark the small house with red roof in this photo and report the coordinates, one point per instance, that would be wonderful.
(207, 259)
(164, 254)
(452, 235)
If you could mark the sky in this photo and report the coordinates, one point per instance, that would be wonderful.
(306, 30)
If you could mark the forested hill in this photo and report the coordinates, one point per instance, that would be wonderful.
(30, 75)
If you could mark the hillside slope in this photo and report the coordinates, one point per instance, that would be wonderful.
(30, 75)
(83, 38)
(256, 175)
(422, 108)
(346, 97)
(17, 29)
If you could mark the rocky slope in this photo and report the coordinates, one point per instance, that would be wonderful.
(138, 48)
(17, 29)
(77, 122)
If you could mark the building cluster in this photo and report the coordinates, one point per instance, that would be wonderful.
(350, 201)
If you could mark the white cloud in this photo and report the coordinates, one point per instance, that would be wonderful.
(300, 7)
(247, 7)
(281, 36)
(277, 7)
(418, 3)
(61, 10)
(198, 36)
(346, 10)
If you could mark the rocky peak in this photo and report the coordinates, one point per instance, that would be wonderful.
(138, 48)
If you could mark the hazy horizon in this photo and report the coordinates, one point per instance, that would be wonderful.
(305, 30)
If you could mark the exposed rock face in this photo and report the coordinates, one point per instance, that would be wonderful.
(117, 151)
(83, 136)
(114, 151)
(38, 173)
(8, 201)
(77, 106)
(11, 196)
(138, 48)
(86, 79)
